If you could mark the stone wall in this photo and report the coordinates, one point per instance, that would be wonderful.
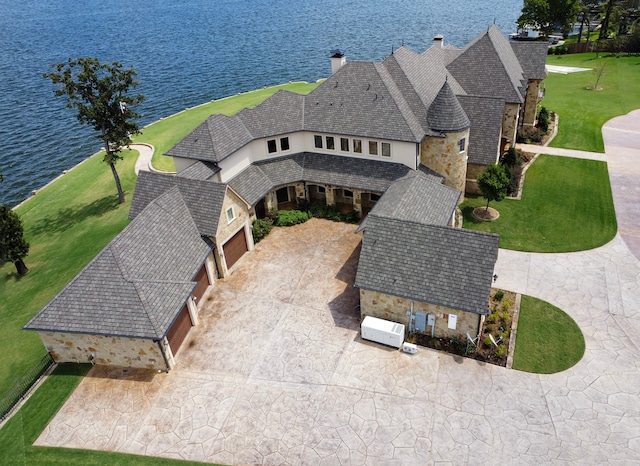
(111, 351)
(443, 156)
(227, 229)
(473, 171)
(531, 103)
(393, 308)
(510, 122)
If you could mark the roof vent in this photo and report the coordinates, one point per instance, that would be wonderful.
(438, 40)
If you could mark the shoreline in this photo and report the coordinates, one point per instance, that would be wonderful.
(64, 172)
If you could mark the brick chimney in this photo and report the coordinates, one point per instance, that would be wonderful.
(337, 60)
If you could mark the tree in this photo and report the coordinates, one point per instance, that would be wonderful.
(13, 247)
(599, 71)
(99, 93)
(546, 15)
(493, 183)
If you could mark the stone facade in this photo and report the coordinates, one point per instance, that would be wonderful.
(473, 171)
(510, 123)
(227, 229)
(110, 351)
(395, 309)
(530, 107)
(443, 156)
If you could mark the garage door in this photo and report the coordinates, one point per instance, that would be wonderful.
(179, 330)
(203, 282)
(235, 248)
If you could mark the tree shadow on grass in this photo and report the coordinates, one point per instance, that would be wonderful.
(67, 217)
(467, 213)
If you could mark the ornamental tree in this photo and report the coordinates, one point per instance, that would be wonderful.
(545, 15)
(99, 92)
(493, 183)
(13, 247)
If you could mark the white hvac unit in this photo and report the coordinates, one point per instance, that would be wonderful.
(382, 331)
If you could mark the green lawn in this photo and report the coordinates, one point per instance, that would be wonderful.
(548, 340)
(582, 111)
(566, 206)
(18, 435)
(168, 131)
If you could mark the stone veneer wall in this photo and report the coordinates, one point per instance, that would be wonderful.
(226, 230)
(531, 103)
(393, 308)
(510, 122)
(473, 171)
(443, 156)
(111, 351)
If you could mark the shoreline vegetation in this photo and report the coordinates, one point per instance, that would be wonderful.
(74, 216)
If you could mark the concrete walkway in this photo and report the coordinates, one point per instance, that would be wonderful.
(276, 372)
(144, 159)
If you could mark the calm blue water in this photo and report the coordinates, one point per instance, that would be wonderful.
(187, 52)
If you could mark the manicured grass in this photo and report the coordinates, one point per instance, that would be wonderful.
(548, 340)
(167, 132)
(566, 206)
(582, 111)
(67, 224)
(18, 435)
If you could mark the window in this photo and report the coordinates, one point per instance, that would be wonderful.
(347, 193)
(321, 189)
(284, 144)
(373, 148)
(271, 146)
(330, 143)
(386, 149)
(231, 216)
(344, 144)
(462, 143)
(282, 195)
(357, 146)
(317, 141)
(374, 197)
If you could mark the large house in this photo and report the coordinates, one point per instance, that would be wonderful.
(399, 142)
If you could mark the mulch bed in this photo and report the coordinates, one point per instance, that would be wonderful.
(498, 324)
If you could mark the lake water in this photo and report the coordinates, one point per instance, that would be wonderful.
(187, 52)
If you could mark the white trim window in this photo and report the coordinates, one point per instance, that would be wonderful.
(386, 149)
(231, 215)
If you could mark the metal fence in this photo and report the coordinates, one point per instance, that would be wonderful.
(22, 386)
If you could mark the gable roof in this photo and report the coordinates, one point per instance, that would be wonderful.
(532, 57)
(137, 285)
(203, 198)
(416, 198)
(255, 181)
(488, 66)
(435, 264)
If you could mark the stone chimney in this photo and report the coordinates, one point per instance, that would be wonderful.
(337, 60)
(438, 41)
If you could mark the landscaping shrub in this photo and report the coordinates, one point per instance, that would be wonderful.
(332, 213)
(543, 120)
(287, 218)
(529, 135)
(499, 295)
(261, 228)
(511, 158)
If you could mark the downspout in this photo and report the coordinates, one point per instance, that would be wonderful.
(164, 356)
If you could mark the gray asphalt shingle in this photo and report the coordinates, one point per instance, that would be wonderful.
(434, 264)
(137, 285)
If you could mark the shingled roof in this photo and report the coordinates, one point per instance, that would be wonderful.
(418, 198)
(255, 181)
(445, 113)
(137, 285)
(485, 114)
(532, 57)
(434, 264)
(488, 66)
(204, 198)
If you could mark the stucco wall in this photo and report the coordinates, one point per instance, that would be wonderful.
(531, 103)
(510, 122)
(443, 156)
(393, 308)
(111, 351)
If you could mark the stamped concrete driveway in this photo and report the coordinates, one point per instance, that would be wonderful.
(276, 373)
